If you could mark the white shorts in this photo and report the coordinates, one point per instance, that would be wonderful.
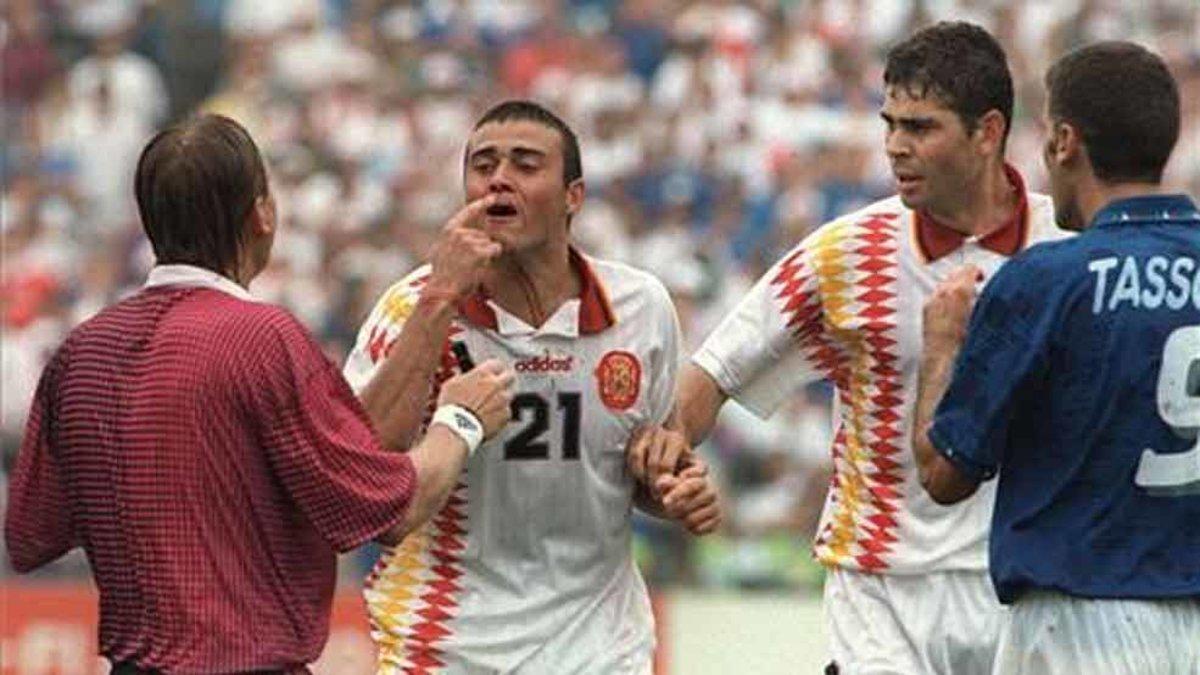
(945, 623)
(1054, 634)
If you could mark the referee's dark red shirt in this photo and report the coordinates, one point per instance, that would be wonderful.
(210, 460)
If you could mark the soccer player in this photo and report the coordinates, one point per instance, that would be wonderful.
(205, 454)
(1079, 383)
(907, 589)
(528, 569)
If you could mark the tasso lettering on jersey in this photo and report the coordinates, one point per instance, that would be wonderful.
(1155, 282)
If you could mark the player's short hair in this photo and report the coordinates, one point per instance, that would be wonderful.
(1125, 104)
(961, 65)
(195, 184)
(524, 110)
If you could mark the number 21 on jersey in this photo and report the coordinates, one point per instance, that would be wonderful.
(1179, 405)
(534, 412)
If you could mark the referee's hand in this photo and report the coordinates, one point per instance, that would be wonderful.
(485, 391)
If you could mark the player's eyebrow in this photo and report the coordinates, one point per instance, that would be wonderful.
(527, 153)
(909, 121)
(517, 152)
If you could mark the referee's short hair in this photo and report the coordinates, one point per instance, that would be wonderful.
(195, 184)
(959, 64)
(1125, 105)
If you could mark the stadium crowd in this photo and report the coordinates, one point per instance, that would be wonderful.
(714, 135)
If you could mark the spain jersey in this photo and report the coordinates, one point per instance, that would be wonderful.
(845, 306)
(1079, 382)
(528, 568)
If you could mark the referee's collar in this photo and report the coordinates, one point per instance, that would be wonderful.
(196, 277)
(1178, 208)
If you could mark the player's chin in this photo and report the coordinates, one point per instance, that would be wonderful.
(913, 199)
(502, 226)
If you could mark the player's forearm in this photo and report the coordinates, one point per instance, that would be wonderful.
(699, 400)
(934, 378)
(397, 396)
(941, 479)
(438, 460)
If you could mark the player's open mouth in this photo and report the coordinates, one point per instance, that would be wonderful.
(500, 214)
(501, 211)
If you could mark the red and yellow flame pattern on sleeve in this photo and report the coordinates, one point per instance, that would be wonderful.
(412, 593)
(839, 297)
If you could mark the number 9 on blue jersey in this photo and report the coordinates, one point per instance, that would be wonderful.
(1179, 406)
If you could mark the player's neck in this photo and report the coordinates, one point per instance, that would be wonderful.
(989, 206)
(1095, 195)
(533, 285)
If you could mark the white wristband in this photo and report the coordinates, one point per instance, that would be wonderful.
(462, 422)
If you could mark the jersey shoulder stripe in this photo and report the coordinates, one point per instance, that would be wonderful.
(394, 308)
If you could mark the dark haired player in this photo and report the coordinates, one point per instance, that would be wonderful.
(907, 589)
(1079, 384)
(529, 568)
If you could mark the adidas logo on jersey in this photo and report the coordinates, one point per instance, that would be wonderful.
(545, 364)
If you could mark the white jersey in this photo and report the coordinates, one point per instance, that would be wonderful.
(530, 561)
(845, 305)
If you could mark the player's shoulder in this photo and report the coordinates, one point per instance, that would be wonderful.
(1042, 224)
(620, 280)
(1045, 267)
(879, 221)
(399, 300)
(410, 285)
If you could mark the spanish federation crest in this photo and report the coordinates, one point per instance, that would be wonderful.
(619, 378)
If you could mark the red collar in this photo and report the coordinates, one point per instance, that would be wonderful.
(935, 240)
(595, 311)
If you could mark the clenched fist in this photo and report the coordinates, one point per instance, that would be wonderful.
(948, 310)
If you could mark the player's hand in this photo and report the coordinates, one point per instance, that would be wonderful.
(462, 253)
(654, 451)
(691, 498)
(485, 391)
(948, 310)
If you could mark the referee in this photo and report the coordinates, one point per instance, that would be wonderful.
(205, 454)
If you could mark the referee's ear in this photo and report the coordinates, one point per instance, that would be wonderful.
(262, 221)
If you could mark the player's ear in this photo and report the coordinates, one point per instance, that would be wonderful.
(575, 194)
(1066, 144)
(990, 132)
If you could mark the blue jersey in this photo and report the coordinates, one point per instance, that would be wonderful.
(1079, 382)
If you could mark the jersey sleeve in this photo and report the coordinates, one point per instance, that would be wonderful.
(38, 526)
(669, 348)
(775, 340)
(1007, 344)
(321, 445)
(380, 331)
